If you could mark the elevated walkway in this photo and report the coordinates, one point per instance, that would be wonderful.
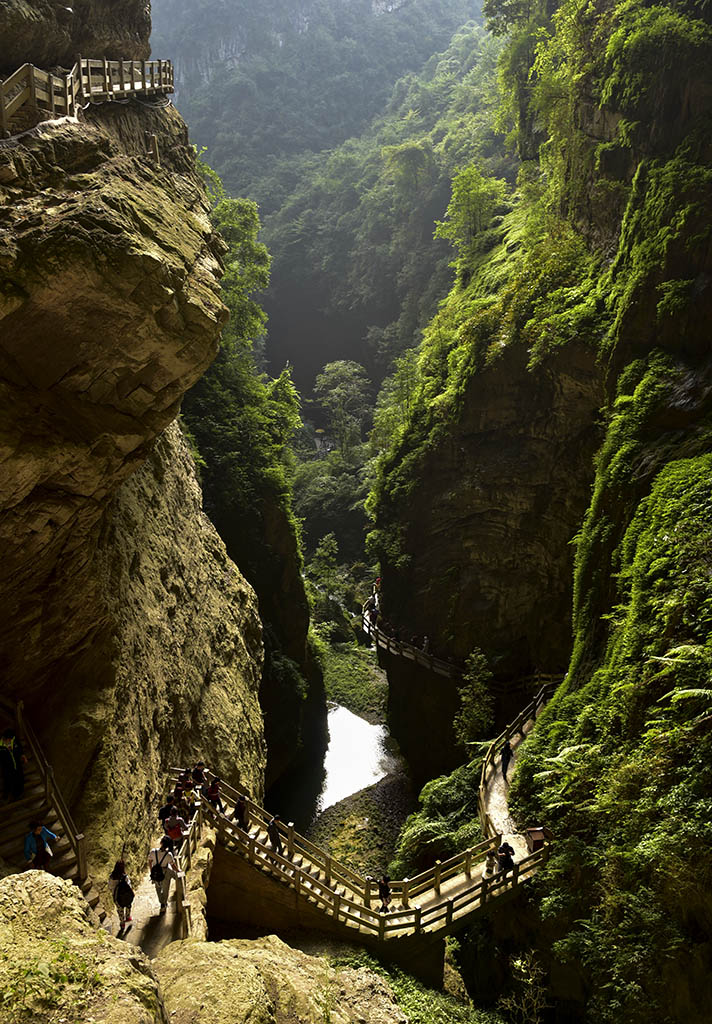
(89, 81)
(304, 886)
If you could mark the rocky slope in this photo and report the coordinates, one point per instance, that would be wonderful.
(131, 637)
(52, 958)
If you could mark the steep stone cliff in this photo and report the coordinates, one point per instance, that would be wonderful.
(52, 32)
(131, 637)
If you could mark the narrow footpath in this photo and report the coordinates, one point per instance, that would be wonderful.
(497, 797)
(149, 930)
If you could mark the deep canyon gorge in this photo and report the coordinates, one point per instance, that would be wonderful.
(403, 306)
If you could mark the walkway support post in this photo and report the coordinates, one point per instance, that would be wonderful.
(290, 839)
(368, 894)
(417, 921)
(436, 877)
(406, 894)
(327, 869)
(381, 927)
(468, 863)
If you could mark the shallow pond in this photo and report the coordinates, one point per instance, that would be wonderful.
(357, 756)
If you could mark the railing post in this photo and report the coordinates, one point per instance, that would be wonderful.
(80, 74)
(290, 839)
(381, 927)
(82, 856)
(337, 905)
(50, 84)
(160, 74)
(327, 870)
(436, 877)
(417, 920)
(108, 89)
(515, 875)
(33, 86)
(122, 87)
(468, 863)
(251, 850)
(368, 892)
(485, 886)
(143, 75)
(3, 116)
(448, 913)
(405, 896)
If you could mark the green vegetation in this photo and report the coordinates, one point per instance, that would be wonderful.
(420, 1004)
(55, 986)
(352, 678)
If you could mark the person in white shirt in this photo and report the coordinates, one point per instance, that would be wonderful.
(163, 867)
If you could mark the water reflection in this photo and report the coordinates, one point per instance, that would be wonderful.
(357, 756)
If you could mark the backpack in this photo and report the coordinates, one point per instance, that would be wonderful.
(157, 872)
(123, 893)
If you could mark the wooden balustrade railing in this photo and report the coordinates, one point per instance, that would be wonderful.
(89, 81)
(529, 712)
(409, 651)
(53, 794)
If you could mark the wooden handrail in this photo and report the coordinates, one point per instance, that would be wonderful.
(96, 81)
(54, 796)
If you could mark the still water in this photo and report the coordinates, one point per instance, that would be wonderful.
(357, 756)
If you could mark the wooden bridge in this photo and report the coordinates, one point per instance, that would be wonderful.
(304, 886)
(89, 81)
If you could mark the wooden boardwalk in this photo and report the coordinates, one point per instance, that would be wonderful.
(433, 903)
(89, 81)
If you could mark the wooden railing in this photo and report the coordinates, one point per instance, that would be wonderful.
(409, 651)
(346, 895)
(489, 761)
(89, 81)
(53, 794)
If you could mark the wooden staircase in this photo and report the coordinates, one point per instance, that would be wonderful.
(42, 800)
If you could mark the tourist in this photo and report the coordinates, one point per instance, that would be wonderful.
(37, 849)
(490, 864)
(240, 815)
(167, 809)
(175, 826)
(122, 893)
(191, 798)
(505, 856)
(212, 795)
(274, 835)
(426, 644)
(12, 760)
(384, 892)
(163, 866)
(198, 774)
(507, 754)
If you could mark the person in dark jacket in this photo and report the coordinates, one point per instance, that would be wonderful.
(240, 815)
(505, 855)
(507, 754)
(198, 773)
(37, 849)
(212, 795)
(12, 762)
(167, 809)
(384, 892)
(274, 835)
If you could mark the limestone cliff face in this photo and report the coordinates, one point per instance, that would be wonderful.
(53, 32)
(488, 525)
(130, 635)
(172, 672)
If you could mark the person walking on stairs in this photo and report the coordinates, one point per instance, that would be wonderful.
(239, 815)
(122, 892)
(38, 852)
(12, 761)
(507, 754)
(273, 833)
(384, 892)
(163, 866)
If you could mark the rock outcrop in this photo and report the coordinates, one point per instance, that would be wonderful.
(54, 960)
(131, 637)
(52, 32)
(266, 981)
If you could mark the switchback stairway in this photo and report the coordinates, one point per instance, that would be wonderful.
(304, 886)
(42, 800)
